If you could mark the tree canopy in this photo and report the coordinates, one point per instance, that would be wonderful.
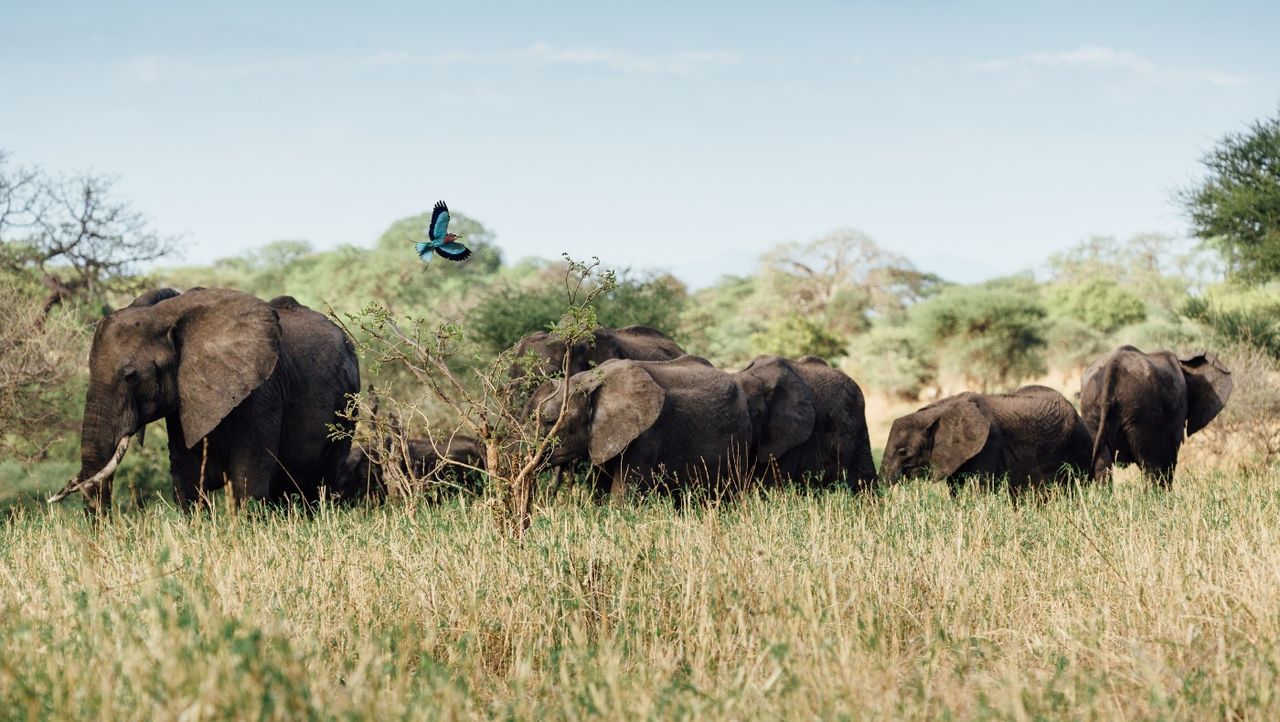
(1235, 208)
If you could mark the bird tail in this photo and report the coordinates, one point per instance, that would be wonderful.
(424, 251)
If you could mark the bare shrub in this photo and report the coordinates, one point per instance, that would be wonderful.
(39, 357)
(483, 399)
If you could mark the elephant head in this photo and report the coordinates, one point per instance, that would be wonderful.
(938, 438)
(196, 354)
(550, 353)
(639, 343)
(606, 409)
(781, 405)
(1208, 388)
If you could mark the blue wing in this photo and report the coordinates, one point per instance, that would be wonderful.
(454, 251)
(424, 251)
(439, 221)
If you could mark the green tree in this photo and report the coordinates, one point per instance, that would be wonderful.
(991, 336)
(1236, 207)
(1233, 315)
(510, 312)
(892, 360)
(1158, 268)
(794, 336)
(1098, 303)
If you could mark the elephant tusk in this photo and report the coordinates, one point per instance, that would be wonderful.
(77, 485)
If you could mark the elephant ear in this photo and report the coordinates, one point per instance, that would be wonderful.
(626, 404)
(228, 344)
(787, 412)
(1208, 388)
(960, 433)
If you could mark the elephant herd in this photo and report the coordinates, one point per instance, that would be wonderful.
(252, 392)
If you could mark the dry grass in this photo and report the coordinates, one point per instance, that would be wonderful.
(1112, 603)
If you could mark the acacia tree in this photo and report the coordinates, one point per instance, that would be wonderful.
(1235, 209)
(841, 277)
(73, 232)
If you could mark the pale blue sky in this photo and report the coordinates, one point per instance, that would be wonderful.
(976, 138)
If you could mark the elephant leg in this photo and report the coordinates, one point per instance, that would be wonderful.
(618, 488)
(98, 499)
(195, 471)
(954, 485)
(1157, 458)
(1161, 475)
(622, 480)
(1101, 470)
(251, 472)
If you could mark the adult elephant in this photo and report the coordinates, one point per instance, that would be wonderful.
(248, 390)
(1033, 435)
(671, 425)
(637, 343)
(1140, 407)
(808, 422)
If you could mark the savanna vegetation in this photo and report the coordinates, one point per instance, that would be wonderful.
(1113, 601)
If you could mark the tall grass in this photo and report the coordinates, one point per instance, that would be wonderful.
(1112, 602)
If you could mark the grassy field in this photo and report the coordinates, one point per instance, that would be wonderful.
(1113, 602)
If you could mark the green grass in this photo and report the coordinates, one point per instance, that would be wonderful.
(1111, 603)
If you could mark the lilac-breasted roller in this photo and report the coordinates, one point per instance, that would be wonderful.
(439, 239)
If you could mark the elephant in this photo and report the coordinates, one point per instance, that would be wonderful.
(418, 460)
(1140, 406)
(808, 421)
(638, 343)
(678, 425)
(1033, 435)
(247, 388)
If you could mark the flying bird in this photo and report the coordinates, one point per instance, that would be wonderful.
(439, 239)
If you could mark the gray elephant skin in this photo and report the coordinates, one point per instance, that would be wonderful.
(637, 343)
(808, 423)
(421, 460)
(1033, 435)
(679, 425)
(247, 390)
(1141, 406)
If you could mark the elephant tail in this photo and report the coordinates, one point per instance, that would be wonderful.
(1102, 446)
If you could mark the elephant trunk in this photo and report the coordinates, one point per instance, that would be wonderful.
(109, 420)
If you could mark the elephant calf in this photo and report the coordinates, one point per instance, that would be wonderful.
(674, 425)
(421, 460)
(1140, 407)
(808, 423)
(1033, 435)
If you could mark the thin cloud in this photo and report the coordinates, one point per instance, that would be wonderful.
(676, 63)
(1110, 59)
(156, 69)
(681, 63)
